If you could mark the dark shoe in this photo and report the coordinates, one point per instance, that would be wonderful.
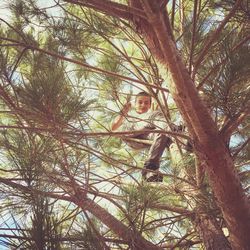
(146, 171)
(155, 178)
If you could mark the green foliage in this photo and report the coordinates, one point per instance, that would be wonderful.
(88, 240)
(229, 89)
(45, 233)
(143, 209)
(51, 109)
(24, 11)
(110, 85)
(25, 153)
(47, 95)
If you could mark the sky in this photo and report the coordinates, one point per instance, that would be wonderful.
(5, 13)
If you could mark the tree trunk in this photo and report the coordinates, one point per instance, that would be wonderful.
(212, 150)
(211, 235)
(206, 226)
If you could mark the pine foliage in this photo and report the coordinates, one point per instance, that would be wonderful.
(63, 77)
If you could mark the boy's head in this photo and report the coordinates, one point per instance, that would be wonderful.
(142, 102)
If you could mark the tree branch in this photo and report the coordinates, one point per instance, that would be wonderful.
(193, 35)
(29, 190)
(130, 235)
(85, 65)
(214, 36)
(240, 148)
(233, 124)
(217, 66)
(111, 8)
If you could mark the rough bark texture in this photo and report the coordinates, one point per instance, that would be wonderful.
(209, 145)
(206, 226)
(212, 236)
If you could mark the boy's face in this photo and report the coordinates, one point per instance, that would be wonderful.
(142, 104)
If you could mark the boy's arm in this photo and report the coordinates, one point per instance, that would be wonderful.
(118, 121)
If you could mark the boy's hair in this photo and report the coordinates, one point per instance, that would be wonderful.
(143, 93)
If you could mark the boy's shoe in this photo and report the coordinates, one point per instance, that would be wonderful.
(155, 178)
(151, 177)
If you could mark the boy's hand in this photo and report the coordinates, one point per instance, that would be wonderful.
(126, 108)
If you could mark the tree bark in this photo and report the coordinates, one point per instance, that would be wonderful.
(211, 235)
(208, 143)
(205, 224)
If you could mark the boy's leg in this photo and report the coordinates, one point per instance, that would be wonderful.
(160, 142)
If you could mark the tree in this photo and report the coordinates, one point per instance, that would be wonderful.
(61, 72)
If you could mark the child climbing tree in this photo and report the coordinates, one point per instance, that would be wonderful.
(66, 68)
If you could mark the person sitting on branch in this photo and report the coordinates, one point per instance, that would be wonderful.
(142, 118)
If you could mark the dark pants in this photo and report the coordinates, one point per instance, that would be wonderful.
(159, 143)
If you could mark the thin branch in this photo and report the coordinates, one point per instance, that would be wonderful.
(241, 148)
(164, 4)
(85, 65)
(193, 35)
(233, 124)
(17, 62)
(173, 14)
(94, 134)
(29, 190)
(214, 36)
(186, 244)
(13, 28)
(9, 44)
(61, 239)
(173, 209)
(217, 66)
(183, 239)
(7, 98)
(111, 8)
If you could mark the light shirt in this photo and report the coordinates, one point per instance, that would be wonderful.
(148, 120)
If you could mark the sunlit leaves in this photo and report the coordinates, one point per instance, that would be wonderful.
(57, 106)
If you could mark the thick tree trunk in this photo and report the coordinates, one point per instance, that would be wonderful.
(211, 235)
(212, 150)
(206, 226)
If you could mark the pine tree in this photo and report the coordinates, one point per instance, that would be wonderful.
(66, 69)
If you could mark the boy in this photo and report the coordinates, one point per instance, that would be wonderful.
(139, 119)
